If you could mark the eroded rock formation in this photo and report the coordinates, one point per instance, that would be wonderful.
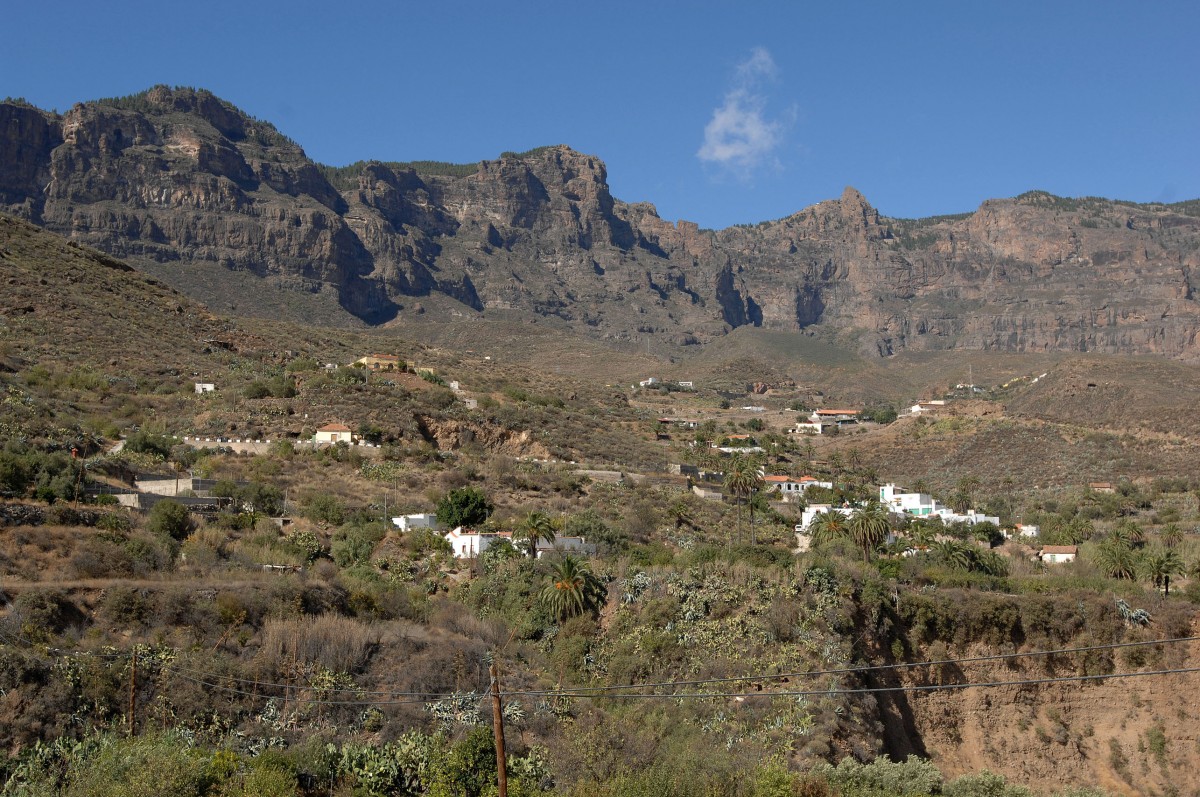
(177, 175)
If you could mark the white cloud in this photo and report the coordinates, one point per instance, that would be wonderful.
(759, 64)
(741, 137)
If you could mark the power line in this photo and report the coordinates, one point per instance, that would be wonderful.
(622, 690)
(830, 692)
(735, 679)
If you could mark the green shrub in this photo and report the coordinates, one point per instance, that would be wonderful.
(465, 506)
(170, 519)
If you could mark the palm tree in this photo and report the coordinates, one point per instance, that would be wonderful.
(835, 467)
(1116, 559)
(678, 510)
(828, 526)
(536, 526)
(1078, 529)
(741, 479)
(868, 527)
(572, 590)
(953, 554)
(1130, 533)
(1171, 535)
(1159, 564)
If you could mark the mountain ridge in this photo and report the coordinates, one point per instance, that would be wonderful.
(177, 176)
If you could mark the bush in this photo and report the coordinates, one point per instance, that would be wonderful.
(145, 443)
(355, 544)
(466, 506)
(256, 390)
(323, 508)
(170, 519)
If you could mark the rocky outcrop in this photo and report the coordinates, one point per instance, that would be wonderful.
(179, 176)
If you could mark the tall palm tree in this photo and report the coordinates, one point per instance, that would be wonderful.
(868, 527)
(741, 480)
(573, 589)
(536, 526)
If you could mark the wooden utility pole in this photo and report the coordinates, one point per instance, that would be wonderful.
(133, 693)
(498, 730)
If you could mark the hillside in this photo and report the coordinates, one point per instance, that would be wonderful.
(289, 640)
(190, 188)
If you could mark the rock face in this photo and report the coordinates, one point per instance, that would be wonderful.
(179, 175)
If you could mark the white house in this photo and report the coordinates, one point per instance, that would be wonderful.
(841, 417)
(334, 433)
(1021, 530)
(419, 521)
(654, 380)
(922, 505)
(924, 407)
(468, 544)
(790, 488)
(1058, 554)
(204, 387)
(688, 385)
(916, 504)
(812, 510)
(810, 427)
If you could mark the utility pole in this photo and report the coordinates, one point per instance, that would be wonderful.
(498, 730)
(133, 693)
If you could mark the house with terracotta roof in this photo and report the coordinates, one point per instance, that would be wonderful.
(334, 433)
(1058, 554)
(790, 488)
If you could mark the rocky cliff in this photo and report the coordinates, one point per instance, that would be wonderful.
(179, 176)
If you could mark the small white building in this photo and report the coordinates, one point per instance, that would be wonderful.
(812, 510)
(810, 427)
(654, 380)
(1020, 531)
(425, 520)
(926, 407)
(1058, 554)
(205, 387)
(468, 544)
(334, 433)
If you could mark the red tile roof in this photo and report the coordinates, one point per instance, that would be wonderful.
(334, 427)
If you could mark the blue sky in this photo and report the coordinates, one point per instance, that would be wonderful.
(718, 113)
